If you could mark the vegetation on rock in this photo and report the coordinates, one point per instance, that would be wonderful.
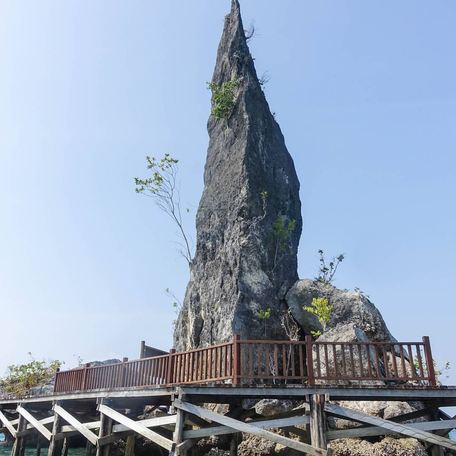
(223, 98)
(322, 309)
(21, 378)
(327, 271)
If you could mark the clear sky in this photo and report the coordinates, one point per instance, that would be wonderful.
(365, 94)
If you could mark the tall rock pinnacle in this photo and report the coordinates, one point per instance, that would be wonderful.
(249, 218)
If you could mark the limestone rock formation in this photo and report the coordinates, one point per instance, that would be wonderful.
(350, 307)
(249, 217)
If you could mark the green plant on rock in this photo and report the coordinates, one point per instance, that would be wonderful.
(327, 271)
(223, 98)
(264, 315)
(322, 309)
(21, 378)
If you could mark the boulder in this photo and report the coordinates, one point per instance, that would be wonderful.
(349, 307)
(389, 446)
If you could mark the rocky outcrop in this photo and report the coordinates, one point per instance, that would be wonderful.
(249, 218)
(349, 307)
(388, 446)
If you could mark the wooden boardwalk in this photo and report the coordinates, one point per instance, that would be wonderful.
(102, 404)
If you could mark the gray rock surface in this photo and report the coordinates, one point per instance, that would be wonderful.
(349, 307)
(241, 265)
(389, 446)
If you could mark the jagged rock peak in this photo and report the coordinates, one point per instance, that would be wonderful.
(249, 218)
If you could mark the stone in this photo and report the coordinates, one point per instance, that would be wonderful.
(349, 307)
(388, 446)
(271, 407)
(249, 217)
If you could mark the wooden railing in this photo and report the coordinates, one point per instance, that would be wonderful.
(266, 362)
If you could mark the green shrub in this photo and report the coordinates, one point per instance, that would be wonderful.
(20, 378)
(223, 98)
(322, 309)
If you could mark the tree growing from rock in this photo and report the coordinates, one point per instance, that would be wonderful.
(162, 186)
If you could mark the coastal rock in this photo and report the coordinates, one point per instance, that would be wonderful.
(388, 446)
(249, 218)
(349, 307)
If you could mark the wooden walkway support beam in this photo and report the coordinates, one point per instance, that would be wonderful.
(398, 428)
(34, 422)
(136, 427)
(70, 419)
(318, 421)
(55, 446)
(18, 446)
(106, 425)
(245, 427)
(8, 424)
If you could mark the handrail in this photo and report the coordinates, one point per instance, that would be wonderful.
(267, 362)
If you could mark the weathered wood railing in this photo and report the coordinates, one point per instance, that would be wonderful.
(266, 362)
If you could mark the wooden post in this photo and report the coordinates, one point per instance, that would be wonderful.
(90, 449)
(178, 435)
(236, 359)
(124, 372)
(429, 361)
(130, 445)
(317, 421)
(309, 361)
(142, 350)
(234, 444)
(18, 446)
(55, 446)
(84, 376)
(106, 425)
(38, 444)
(66, 445)
(170, 371)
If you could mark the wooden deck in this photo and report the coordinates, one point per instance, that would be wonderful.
(102, 404)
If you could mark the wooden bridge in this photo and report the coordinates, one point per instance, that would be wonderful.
(102, 403)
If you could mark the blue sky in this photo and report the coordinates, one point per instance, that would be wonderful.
(364, 92)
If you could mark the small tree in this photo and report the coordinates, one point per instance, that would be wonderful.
(21, 378)
(327, 271)
(322, 309)
(162, 187)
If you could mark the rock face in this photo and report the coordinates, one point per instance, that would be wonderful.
(249, 218)
(350, 307)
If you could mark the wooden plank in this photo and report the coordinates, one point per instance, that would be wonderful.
(8, 424)
(35, 423)
(244, 427)
(70, 419)
(398, 428)
(267, 424)
(149, 423)
(137, 427)
(375, 430)
(90, 425)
